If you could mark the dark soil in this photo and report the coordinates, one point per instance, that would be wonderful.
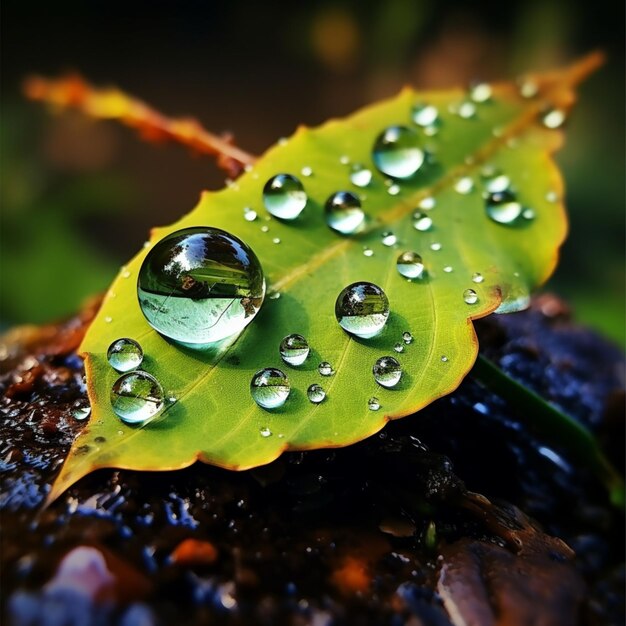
(388, 531)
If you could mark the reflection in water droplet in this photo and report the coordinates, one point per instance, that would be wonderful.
(477, 277)
(464, 185)
(367, 251)
(276, 240)
(436, 246)
(387, 371)
(421, 221)
(388, 239)
(137, 397)
(373, 404)
(264, 430)
(200, 285)
(480, 92)
(270, 388)
(306, 171)
(444, 358)
(249, 214)
(470, 296)
(467, 110)
(396, 152)
(399, 347)
(274, 295)
(448, 269)
(362, 309)
(407, 337)
(528, 214)
(425, 115)
(393, 190)
(124, 355)
(80, 410)
(409, 264)
(497, 184)
(294, 349)
(315, 393)
(553, 118)
(325, 368)
(265, 229)
(503, 207)
(360, 176)
(284, 196)
(552, 196)
(344, 159)
(427, 203)
(343, 213)
(108, 319)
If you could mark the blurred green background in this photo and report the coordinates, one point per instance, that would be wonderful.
(78, 196)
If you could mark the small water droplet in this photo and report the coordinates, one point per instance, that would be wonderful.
(409, 264)
(421, 221)
(125, 273)
(393, 190)
(497, 184)
(360, 176)
(388, 239)
(270, 388)
(125, 355)
(325, 368)
(264, 430)
(80, 410)
(282, 141)
(344, 159)
(249, 214)
(373, 404)
(407, 337)
(503, 208)
(552, 196)
(274, 295)
(315, 393)
(387, 371)
(276, 240)
(425, 115)
(294, 349)
(367, 251)
(467, 110)
(397, 153)
(470, 296)
(553, 118)
(480, 92)
(528, 214)
(528, 88)
(464, 185)
(137, 397)
(436, 246)
(427, 203)
(362, 309)
(477, 277)
(306, 171)
(265, 229)
(448, 269)
(399, 347)
(431, 131)
(284, 196)
(343, 213)
(108, 319)
(444, 358)
(200, 285)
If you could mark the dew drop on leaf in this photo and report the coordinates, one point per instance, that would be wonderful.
(399, 347)
(497, 183)
(343, 213)
(325, 368)
(137, 397)
(393, 190)
(480, 92)
(362, 309)
(477, 277)
(435, 246)
(503, 207)
(81, 410)
(388, 239)
(360, 176)
(448, 269)
(270, 388)
(553, 118)
(276, 240)
(200, 285)
(315, 393)
(470, 296)
(425, 115)
(249, 214)
(373, 404)
(464, 185)
(552, 196)
(397, 153)
(444, 358)
(264, 431)
(284, 196)
(407, 337)
(467, 110)
(124, 355)
(294, 349)
(528, 88)
(387, 371)
(427, 203)
(306, 171)
(368, 251)
(410, 265)
(528, 214)
(421, 221)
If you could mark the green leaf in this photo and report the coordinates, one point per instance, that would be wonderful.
(214, 418)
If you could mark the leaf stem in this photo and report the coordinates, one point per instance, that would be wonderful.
(553, 423)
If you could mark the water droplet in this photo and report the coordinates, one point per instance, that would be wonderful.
(425, 115)
(282, 141)
(137, 397)
(80, 410)
(436, 246)
(265, 431)
(393, 190)
(477, 278)
(125, 273)
(373, 404)
(315, 393)
(480, 92)
(362, 309)
(427, 203)
(325, 368)
(387, 371)
(125, 355)
(343, 213)
(367, 251)
(108, 319)
(274, 295)
(276, 240)
(444, 358)
(270, 388)
(407, 337)
(552, 196)
(399, 347)
(528, 214)
(553, 118)
(388, 239)
(421, 221)
(200, 285)
(497, 184)
(265, 229)
(528, 88)
(448, 269)
(249, 214)
(396, 152)
(344, 159)
(503, 207)
(467, 110)
(470, 296)
(294, 349)
(360, 176)
(306, 171)
(410, 265)
(284, 196)
(464, 185)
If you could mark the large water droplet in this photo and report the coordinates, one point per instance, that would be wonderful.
(125, 355)
(294, 349)
(284, 196)
(421, 221)
(373, 404)
(387, 371)
(410, 265)
(425, 115)
(315, 393)
(200, 285)
(362, 309)
(325, 368)
(470, 296)
(360, 176)
(397, 153)
(553, 118)
(270, 388)
(137, 397)
(344, 213)
(503, 207)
